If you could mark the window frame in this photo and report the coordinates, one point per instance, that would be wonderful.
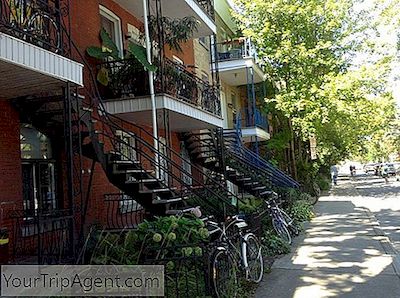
(111, 16)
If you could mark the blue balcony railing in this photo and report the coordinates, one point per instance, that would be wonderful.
(254, 117)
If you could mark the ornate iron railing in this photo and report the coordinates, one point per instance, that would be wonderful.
(208, 7)
(129, 79)
(38, 22)
(123, 212)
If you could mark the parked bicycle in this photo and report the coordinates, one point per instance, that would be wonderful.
(35, 21)
(282, 223)
(239, 250)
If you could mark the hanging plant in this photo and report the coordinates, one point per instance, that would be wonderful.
(172, 32)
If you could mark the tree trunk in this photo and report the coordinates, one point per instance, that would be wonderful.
(292, 151)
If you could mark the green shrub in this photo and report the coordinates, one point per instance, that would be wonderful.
(273, 244)
(323, 182)
(302, 210)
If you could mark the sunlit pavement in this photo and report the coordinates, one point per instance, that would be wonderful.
(349, 248)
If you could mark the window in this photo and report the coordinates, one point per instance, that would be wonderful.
(204, 41)
(112, 24)
(135, 36)
(38, 172)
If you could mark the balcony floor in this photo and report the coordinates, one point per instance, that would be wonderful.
(26, 69)
(251, 134)
(183, 116)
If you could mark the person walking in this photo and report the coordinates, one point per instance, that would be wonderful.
(334, 174)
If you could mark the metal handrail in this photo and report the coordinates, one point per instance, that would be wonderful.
(254, 117)
(93, 99)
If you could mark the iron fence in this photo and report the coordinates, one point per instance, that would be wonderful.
(42, 238)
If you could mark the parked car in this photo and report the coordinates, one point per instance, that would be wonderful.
(370, 167)
(388, 169)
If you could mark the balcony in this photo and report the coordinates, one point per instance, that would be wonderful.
(194, 103)
(254, 125)
(201, 10)
(34, 48)
(238, 63)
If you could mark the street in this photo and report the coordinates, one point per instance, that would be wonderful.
(350, 248)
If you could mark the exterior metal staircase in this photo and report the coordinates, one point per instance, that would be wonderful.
(223, 152)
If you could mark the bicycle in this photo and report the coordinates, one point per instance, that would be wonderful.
(282, 223)
(31, 21)
(241, 250)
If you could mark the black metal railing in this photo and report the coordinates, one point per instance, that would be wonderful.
(42, 238)
(207, 6)
(123, 212)
(39, 22)
(129, 79)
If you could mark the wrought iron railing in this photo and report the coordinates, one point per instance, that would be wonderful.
(129, 79)
(254, 117)
(40, 22)
(237, 49)
(42, 238)
(123, 212)
(207, 6)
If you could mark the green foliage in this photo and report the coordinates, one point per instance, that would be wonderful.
(129, 247)
(109, 50)
(301, 210)
(273, 244)
(174, 31)
(323, 182)
(250, 205)
(139, 53)
(307, 49)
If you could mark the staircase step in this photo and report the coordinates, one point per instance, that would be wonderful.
(251, 183)
(150, 180)
(125, 162)
(244, 179)
(179, 211)
(259, 188)
(166, 201)
(156, 190)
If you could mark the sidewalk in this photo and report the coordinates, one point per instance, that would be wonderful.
(343, 253)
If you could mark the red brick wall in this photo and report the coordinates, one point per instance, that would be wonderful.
(10, 164)
(10, 154)
(85, 32)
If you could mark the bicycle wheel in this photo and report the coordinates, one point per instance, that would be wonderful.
(44, 29)
(252, 258)
(223, 274)
(281, 230)
(290, 223)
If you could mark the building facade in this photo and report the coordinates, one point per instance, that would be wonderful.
(77, 145)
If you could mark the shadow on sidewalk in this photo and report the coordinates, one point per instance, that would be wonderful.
(340, 255)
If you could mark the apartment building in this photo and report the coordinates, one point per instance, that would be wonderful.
(242, 79)
(78, 149)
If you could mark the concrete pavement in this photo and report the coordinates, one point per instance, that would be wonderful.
(343, 253)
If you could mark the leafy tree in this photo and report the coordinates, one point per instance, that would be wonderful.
(308, 49)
